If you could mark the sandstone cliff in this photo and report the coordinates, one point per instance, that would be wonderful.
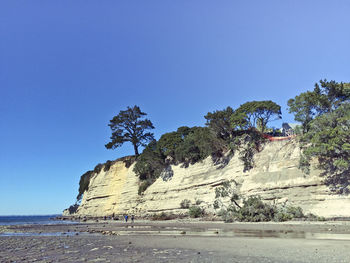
(276, 178)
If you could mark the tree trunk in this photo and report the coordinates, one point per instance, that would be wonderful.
(136, 150)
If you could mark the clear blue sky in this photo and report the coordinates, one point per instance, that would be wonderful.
(67, 67)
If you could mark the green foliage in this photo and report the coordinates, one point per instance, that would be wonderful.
(198, 201)
(169, 142)
(303, 107)
(282, 216)
(325, 117)
(84, 183)
(228, 193)
(326, 97)
(190, 145)
(259, 113)
(195, 211)
(253, 209)
(296, 212)
(198, 145)
(98, 168)
(248, 144)
(220, 123)
(150, 163)
(328, 140)
(163, 216)
(85, 178)
(186, 145)
(239, 121)
(129, 126)
(144, 185)
(107, 165)
(312, 217)
(128, 160)
(185, 204)
(73, 208)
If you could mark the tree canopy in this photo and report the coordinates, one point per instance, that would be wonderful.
(325, 117)
(220, 122)
(328, 140)
(130, 126)
(326, 97)
(169, 142)
(259, 113)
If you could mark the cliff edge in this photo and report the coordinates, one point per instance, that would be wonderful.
(275, 177)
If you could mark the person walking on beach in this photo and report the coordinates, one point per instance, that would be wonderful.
(126, 218)
(132, 218)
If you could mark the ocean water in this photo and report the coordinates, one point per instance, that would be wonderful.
(29, 220)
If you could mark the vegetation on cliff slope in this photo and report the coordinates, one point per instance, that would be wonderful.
(253, 209)
(323, 113)
(325, 117)
(226, 130)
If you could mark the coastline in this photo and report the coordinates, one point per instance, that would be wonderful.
(178, 241)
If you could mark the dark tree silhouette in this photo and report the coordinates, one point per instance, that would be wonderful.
(130, 126)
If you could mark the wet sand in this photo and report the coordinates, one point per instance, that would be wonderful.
(176, 241)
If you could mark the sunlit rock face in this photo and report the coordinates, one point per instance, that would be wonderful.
(276, 178)
(113, 191)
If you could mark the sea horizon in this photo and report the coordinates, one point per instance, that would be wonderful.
(28, 219)
(32, 215)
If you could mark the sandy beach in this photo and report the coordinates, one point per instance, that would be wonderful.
(176, 241)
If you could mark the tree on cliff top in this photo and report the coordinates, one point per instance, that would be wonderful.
(326, 97)
(130, 126)
(328, 140)
(259, 113)
(220, 122)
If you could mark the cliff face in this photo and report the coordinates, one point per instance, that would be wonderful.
(276, 178)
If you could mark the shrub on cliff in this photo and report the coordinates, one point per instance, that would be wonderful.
(185, 204)
(225, 132)
(163, 216)
(189, 145)
(107, 165)
(200, 143)
(73, 208)
(252, 209)
(248, 144)
(195, 211)
(186, 146)
(144, 185)
(150, 163)
(255, 210)
(84, 183)
(169, 142)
